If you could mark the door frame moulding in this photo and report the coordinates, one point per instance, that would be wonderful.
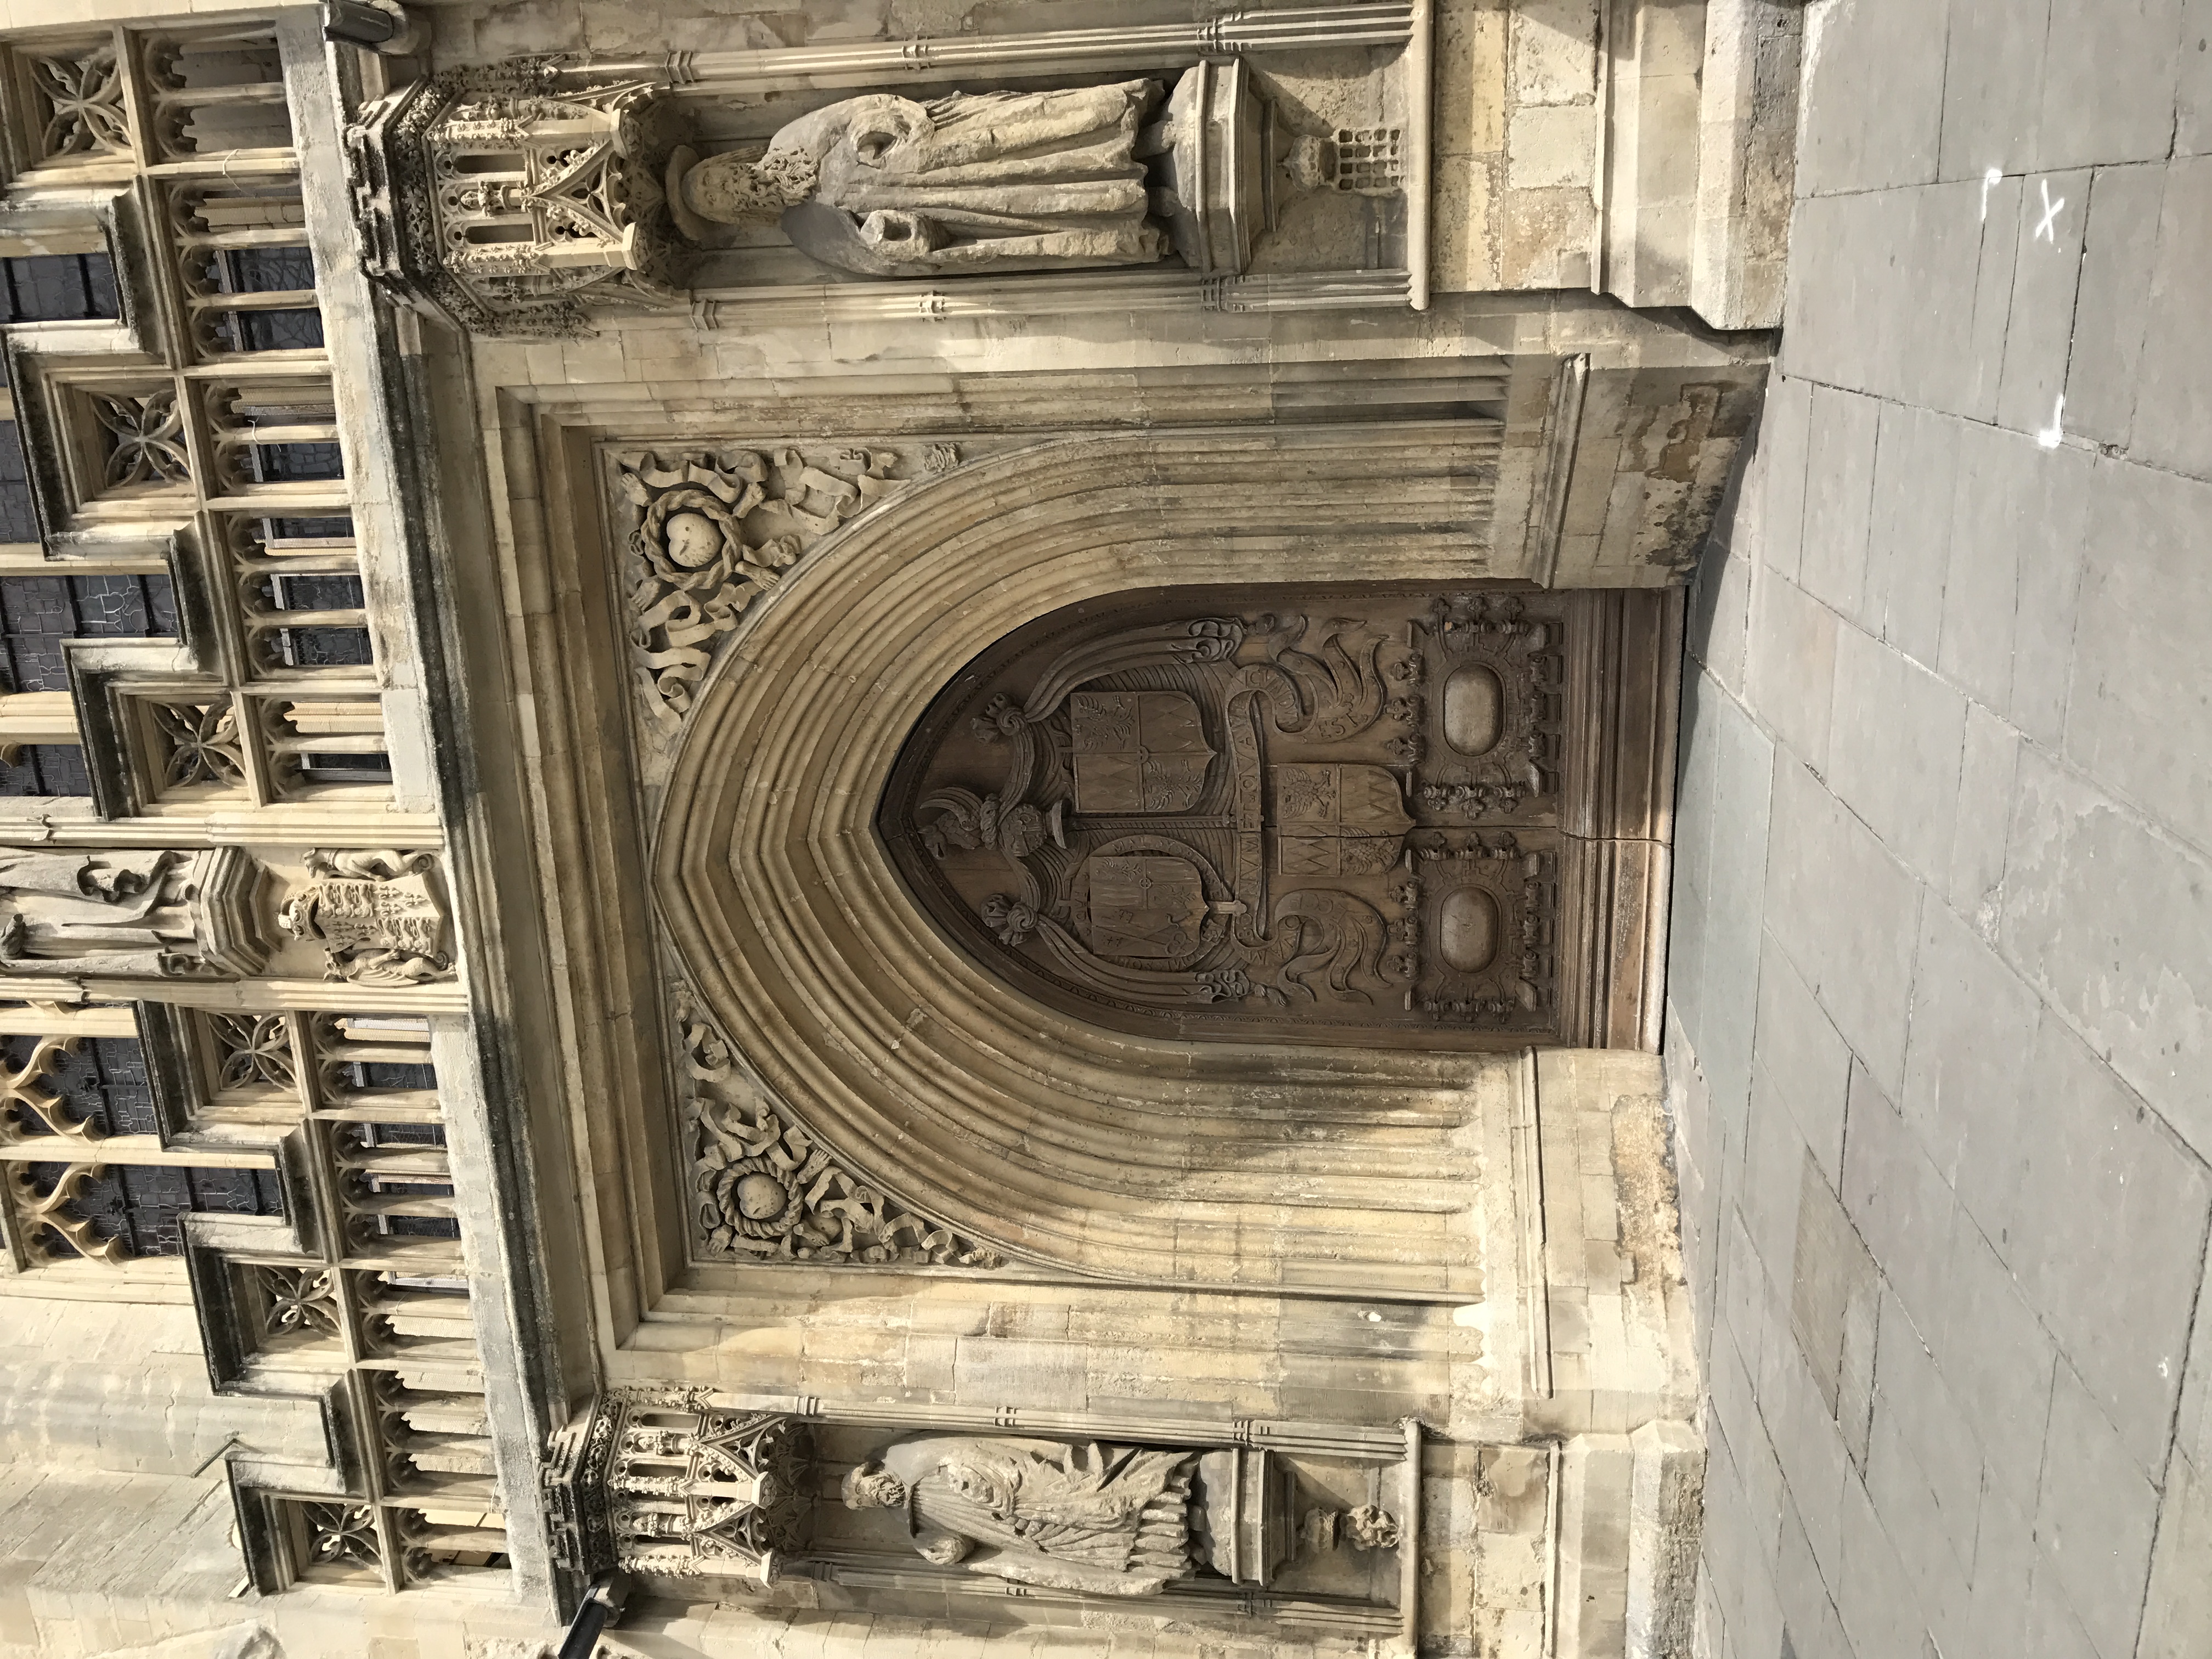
(551, 552)
(800, 937)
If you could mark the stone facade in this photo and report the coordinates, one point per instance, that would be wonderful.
(584, 444)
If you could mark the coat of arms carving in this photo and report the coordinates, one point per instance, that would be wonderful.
(1145, 905)
(1137, 752)
(1337, 820)
(378, 916)
(1243, 821)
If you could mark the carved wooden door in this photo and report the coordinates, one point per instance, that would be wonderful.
(1334, 815)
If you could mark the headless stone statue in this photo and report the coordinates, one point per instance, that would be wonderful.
(997, 181)
(1110, 1520)
(135, 914)
(66, 914)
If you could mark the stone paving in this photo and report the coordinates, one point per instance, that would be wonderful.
(1941, 962)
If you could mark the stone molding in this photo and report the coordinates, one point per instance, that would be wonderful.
(1007, 1136)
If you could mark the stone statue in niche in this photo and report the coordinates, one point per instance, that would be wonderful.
(1113, 1519)
(150, 915)
(1105, 1519)
(1118, 174)
(885, 186)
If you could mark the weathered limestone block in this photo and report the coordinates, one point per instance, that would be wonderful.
(1746, 161)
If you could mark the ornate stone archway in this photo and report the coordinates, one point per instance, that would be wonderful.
(1069, 1146)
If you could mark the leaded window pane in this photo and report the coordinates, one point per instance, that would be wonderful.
(104, 1083)
(37, 613)
(57, 287)
(142, 1204)
(19, 522)
(46, 768)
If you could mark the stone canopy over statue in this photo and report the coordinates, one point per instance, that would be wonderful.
(1118, 174)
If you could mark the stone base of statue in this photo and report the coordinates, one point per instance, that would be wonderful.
(1243, 1514)
(1213, 167)
(232, 890)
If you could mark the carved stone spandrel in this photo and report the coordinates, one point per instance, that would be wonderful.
(712, 532)
(767, 1191)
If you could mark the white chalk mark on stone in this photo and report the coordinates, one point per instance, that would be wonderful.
(2047, 231)
(2055, 435)
(1990, 180)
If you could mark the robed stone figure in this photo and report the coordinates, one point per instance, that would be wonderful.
(92, 913)
(1110, 1520)
(998, 181)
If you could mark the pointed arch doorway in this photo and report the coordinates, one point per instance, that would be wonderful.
(1070, 1138)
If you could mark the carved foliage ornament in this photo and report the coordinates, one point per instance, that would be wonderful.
(200, 745)
(767, 1191)
(253, 1051)
(716, 530)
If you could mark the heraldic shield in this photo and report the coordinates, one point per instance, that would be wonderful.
(353, 913)
(1337, 820)
(1145, 906)
(1137, 752)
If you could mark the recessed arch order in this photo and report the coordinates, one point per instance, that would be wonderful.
(1068, 1145)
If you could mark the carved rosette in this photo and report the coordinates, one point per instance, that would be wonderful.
(511, 198)
(767, 1191)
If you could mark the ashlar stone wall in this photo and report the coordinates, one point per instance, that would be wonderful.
(1940, 971)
